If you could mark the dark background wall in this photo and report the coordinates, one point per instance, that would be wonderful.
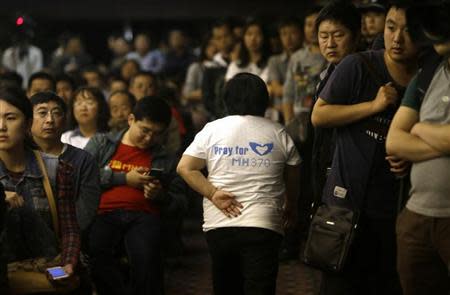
(95, 19)
(150, 9)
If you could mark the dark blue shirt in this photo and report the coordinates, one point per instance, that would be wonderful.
(360, 176)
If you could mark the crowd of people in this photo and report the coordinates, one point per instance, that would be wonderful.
(348, 107)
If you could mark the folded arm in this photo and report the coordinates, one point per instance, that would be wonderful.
(402, 143)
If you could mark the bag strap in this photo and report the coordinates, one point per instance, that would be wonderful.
(48, 191)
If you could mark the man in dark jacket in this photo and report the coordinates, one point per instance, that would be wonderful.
(131, 201)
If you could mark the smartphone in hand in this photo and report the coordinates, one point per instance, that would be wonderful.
(156, 173)
(56, 273)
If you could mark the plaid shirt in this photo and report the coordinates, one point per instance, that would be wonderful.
(69, 229)
(31, 225)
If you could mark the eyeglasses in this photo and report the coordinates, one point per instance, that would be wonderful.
(55, 113)
(86, 102)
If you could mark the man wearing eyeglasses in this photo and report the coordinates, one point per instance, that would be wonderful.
(132, 199)
(49, 118)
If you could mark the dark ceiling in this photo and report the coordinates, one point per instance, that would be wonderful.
(150, 9)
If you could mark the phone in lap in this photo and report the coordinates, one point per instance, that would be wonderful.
(56, 273)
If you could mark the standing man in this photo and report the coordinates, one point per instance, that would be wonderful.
(420, 133)
(359, 100)
(49, 118)
(338, 28)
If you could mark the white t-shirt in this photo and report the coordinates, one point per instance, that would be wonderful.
(246, 155)
(251, 68)
(75, 138)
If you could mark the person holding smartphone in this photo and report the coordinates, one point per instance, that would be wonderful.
(129, 209)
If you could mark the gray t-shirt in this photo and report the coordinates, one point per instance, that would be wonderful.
(51, 163)
(430, 180)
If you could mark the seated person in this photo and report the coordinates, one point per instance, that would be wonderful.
(121, 104)
(49, 117)
(129, 209)
(29, 228)
(89, 115)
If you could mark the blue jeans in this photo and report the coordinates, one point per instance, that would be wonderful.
(141, 233)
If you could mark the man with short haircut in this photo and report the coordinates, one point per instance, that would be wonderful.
(92, 77)
(129, 210)
(290, 34)
(338, 28)
(143, 84)
(302, 75)
(222, 36)
(49, 117)
(420, 133)
(121, 104)
(359, 100)
(65, 87)
(214, 75)
(148, 59)
(40, 82)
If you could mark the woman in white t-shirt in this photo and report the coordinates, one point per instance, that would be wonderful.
(253, 53)
(246, 199)
(89, 114)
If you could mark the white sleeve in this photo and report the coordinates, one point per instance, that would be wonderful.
(231, 71)
(198, 147)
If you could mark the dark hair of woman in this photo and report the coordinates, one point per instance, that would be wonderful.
(17, 98)
(246, 94)
(244, 54)
(103, 110)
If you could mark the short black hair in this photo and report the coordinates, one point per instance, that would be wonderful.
(11, 78)
(130, 96)
(342, 12)
(66, 78)
(399, 4)
(313, 9)
(289, 21)
(144, 73)
(432, 21)
(43, 76)
(224, 22)
(154, 109)
(246, 94)
(47, 96)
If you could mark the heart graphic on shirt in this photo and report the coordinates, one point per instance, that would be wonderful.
(261, 149)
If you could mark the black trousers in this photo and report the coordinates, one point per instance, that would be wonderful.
(244, 260)
(371, 265)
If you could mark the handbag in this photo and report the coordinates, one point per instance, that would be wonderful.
(330, 237)
(29, 276)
